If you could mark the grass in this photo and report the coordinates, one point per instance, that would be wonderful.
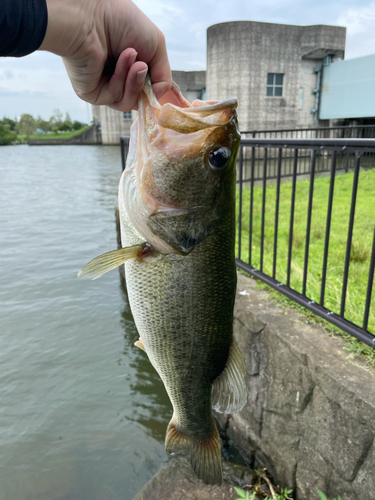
(263, 488)
(360, 250)
(282, 495)
(61, 135)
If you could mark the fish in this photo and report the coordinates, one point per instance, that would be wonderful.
(177, 213)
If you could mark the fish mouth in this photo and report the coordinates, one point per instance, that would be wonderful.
(174, 112)
(197, 118)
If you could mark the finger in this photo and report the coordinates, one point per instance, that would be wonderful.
(161, 88)
(160, 70)
(111, 90)
(115, 86)
(132, 87)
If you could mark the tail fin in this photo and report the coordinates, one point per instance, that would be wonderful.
(204, 452)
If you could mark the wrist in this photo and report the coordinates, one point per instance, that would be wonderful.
(69, 23)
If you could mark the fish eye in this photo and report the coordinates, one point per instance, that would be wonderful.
(218, 158)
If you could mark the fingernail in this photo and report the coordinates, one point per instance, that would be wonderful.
(133, 55)
(141, 75)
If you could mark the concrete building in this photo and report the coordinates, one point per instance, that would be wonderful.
(115, 123)
(271, 69)
(112, 123)
(191, 83)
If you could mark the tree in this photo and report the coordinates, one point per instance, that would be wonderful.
(10, 122)
(56, 120)
(77, 125)
(6, 135)
(43, 124)
(27, 124)
(67, 125)
(57, 115)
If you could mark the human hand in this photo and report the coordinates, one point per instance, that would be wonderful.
(107, 47)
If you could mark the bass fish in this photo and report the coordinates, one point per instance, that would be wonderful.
(177, 213)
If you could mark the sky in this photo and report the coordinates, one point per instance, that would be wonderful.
(38, 84)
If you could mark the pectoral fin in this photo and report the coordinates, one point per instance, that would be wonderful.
(229, 390)
(110, 260)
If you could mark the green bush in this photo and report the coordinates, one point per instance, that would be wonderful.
(6, 135)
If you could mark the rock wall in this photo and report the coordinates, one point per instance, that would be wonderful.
(177, 481)
(310, 415)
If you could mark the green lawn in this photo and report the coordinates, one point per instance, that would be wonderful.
(62, 135)
(361, 247)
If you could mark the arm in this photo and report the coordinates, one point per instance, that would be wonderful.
(23, 25)
(107, 47)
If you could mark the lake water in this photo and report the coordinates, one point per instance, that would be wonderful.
(82, 413)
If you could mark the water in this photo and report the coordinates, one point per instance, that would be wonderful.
(82, 412)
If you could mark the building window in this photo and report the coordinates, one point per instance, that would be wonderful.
(275, 84)
(127, 115)
(202, 95)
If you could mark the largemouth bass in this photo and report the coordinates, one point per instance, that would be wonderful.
(177, 212)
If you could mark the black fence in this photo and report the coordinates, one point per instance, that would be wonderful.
(124, 144)
(302, 238)
(259, 224)
(339, 132)
(345, 159)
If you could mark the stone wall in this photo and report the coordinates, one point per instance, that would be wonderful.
(310, 415)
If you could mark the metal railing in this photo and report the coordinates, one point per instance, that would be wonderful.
(344, 160)
(339, 132)
(270, 163)
(283, 150)
(124, 145)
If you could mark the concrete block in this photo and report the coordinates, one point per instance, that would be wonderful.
(310, 413)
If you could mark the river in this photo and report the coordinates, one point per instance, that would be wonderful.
(82, 412)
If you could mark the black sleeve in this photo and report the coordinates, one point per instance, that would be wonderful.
(23, 25)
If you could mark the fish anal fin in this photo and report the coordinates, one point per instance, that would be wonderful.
(110, 260)
(203, 452)
(229, 389)
(139, 344)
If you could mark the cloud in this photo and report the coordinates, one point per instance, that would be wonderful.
(163, 13)
(360, 23)
(358, 20)
(8, 74)
(4, 92)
